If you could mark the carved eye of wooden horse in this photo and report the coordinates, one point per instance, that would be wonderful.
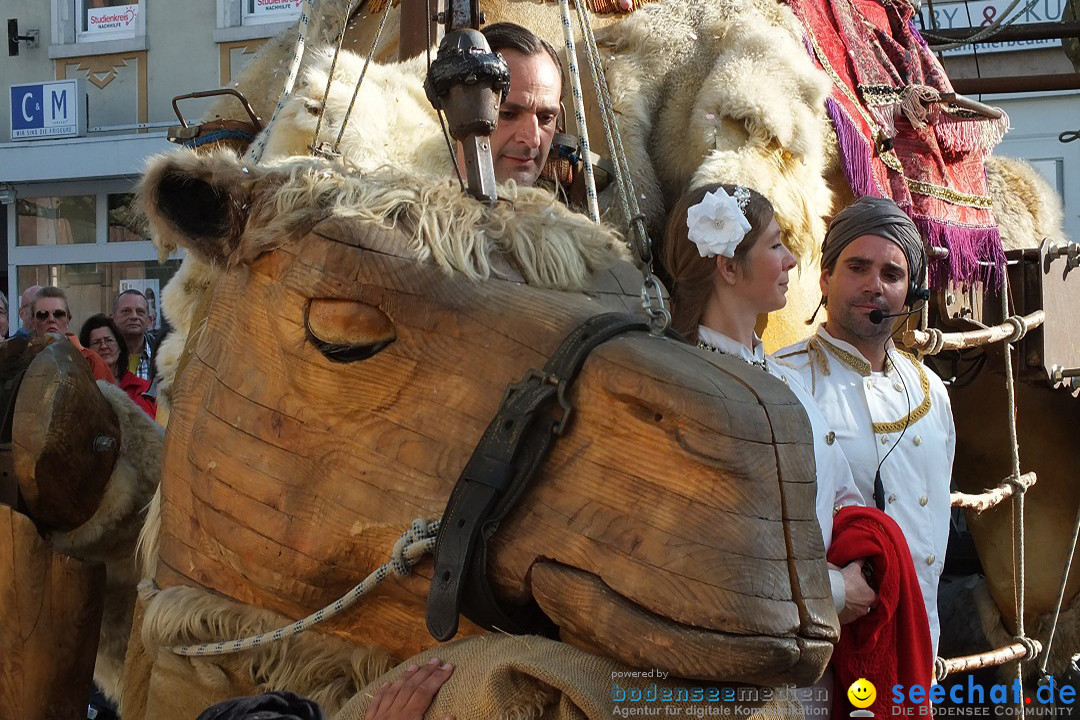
(346, 331)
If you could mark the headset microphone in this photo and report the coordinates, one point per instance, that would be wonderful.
(877, 317)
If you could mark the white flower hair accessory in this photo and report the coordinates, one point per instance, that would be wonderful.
(717, 224)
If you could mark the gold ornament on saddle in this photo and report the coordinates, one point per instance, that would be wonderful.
(718, 224)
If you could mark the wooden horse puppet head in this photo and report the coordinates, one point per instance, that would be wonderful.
(357, 345)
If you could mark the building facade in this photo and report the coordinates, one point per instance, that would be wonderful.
(1038, 119)
(66, 184)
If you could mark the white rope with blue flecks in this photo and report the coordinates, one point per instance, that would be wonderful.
(579, 111)
(306, 13)
(410, 548)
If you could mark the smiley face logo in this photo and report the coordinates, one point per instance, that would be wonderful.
(862, 693)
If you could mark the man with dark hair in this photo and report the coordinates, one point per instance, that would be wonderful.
(891, 417)
(131, 313)
(527, 117)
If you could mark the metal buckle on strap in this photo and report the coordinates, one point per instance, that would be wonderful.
(541, 377)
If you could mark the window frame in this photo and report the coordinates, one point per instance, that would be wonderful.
(231, 25)
(68, 41)
(85, 37)
(250, 18)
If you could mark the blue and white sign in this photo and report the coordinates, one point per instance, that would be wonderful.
(48, 110)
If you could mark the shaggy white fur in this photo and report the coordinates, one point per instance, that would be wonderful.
(323, 668)
(392, 124)
(180, 301)
(110, 534)
(547, 244)
(746, 106)
(1026, 207)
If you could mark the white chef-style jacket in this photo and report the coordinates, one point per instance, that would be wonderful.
(899, 420)
(835, 486)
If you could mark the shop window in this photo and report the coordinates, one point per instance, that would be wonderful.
(259, 12)
(124, 225)
(107, 19)
(69, 220)
(96, 27)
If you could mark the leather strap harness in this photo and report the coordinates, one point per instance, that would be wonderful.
(533, 413)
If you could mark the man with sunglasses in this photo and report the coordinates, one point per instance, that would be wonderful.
(49, 313)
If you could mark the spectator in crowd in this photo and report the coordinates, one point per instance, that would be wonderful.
(3, 316)
(101, 335)
(25, 325)
(49, 312)
(50, 315)
(131, 313)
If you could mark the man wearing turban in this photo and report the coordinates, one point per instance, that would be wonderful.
(889, 414)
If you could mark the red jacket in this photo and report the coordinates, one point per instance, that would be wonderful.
(135, 386)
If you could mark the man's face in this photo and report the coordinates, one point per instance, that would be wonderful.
(50, 316)
(520, 145)
(870, 274)
(24, 305)
(132, 315)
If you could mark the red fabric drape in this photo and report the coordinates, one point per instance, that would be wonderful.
(891, 645)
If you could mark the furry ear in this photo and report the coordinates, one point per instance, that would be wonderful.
(197, 201)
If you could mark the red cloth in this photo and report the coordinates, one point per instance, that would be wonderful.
(98, 368)
(890, 645)
(932, 161)
(135, 387)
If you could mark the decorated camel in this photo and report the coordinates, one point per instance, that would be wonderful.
(345, 332)
(726, 92)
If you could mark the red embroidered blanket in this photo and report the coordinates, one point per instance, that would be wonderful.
(926, 156)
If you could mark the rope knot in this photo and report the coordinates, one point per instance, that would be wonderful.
(1019, 326)
(1032, 646)
(937, 341)
(413, 544)
(1018, 485)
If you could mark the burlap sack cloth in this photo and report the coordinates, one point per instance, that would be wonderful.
(526, 677)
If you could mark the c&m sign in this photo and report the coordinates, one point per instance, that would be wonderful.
(48, 110)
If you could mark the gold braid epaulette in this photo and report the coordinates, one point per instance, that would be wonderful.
(863, 367)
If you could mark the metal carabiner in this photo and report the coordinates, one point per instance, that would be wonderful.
(652, 302)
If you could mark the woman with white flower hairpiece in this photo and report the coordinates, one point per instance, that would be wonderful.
(728, 265)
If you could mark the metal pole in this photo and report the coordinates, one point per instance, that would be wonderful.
(1017, 83)
(1012, 33)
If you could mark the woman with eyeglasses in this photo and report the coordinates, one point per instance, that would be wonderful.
(101, 335)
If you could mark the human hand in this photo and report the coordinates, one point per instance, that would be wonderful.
(410, 696)
(859, 597)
